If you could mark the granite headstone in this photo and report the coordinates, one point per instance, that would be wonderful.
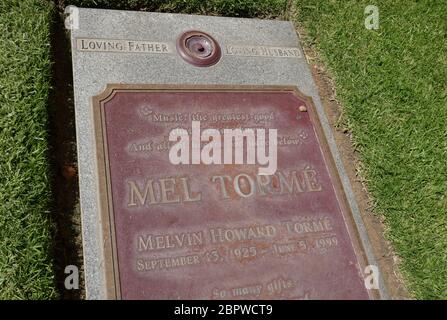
(155, 230)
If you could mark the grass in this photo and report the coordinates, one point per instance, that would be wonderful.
(26, 270)
(390, 81)
(392, 84)
(233, 8)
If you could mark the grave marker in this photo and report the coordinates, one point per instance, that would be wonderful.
(157, 230)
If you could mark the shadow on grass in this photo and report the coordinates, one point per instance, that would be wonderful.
(62, 154)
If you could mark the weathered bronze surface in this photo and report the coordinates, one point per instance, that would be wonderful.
(220, 231)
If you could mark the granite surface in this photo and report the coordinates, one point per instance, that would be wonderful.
(93, 70)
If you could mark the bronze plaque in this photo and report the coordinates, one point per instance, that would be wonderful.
(221, 231)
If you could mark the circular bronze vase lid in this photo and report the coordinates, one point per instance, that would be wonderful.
(198, 48)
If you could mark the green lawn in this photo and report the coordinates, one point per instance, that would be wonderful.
(26, 270)
(233, 8)
(392, 84)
